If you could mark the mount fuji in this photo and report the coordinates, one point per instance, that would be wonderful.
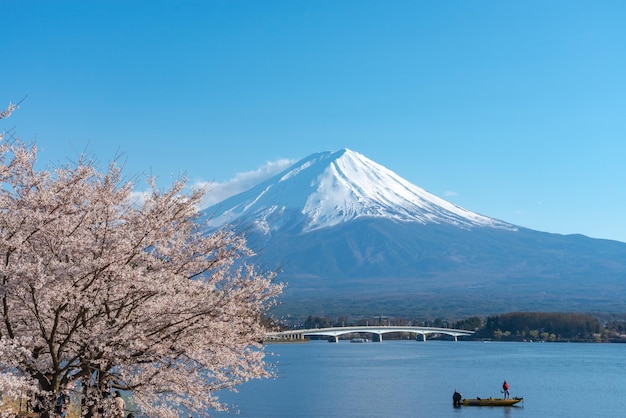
(351, 237)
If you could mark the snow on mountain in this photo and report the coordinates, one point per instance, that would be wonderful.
(377, 243)
(328, 188)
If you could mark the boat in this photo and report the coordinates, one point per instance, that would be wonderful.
(358, 340)
(490, 401)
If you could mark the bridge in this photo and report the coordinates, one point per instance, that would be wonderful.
(334, 333)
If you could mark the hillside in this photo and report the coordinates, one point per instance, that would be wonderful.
(351, 237)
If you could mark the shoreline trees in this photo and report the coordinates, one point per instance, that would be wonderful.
(512, 326)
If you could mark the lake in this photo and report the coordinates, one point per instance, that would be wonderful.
(417, 379)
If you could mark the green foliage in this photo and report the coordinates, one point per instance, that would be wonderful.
(542, 326)
(318, 322)
(471, 324)
(514, 326)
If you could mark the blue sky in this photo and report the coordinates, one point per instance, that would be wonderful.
(515, 110)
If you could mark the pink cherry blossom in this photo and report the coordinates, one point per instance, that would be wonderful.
(100, 294)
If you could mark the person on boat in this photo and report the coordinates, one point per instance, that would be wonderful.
(456, 398)
(505, 390)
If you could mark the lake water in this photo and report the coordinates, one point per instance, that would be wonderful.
(417, 379)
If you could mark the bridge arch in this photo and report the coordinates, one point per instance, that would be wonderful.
(336, 332)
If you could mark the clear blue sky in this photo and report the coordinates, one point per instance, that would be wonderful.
(515, 110)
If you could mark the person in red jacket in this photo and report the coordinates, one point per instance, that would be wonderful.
(505, 390)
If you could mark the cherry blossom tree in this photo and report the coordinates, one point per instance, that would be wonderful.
(5, 114)
(100, 292)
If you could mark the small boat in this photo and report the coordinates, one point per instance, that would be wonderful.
(490, 401)
(358, 340)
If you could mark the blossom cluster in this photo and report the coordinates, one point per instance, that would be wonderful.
(100, 294)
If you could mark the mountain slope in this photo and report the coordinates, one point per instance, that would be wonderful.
(353, 238)
(329, 188)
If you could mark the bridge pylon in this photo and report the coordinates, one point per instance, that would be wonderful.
(377, 332)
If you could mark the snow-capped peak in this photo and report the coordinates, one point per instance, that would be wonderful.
(329, 188)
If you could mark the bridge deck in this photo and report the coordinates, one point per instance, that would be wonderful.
(379, 330)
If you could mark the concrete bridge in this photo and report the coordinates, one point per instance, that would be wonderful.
(378, 331)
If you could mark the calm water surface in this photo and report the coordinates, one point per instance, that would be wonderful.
(417, 379)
